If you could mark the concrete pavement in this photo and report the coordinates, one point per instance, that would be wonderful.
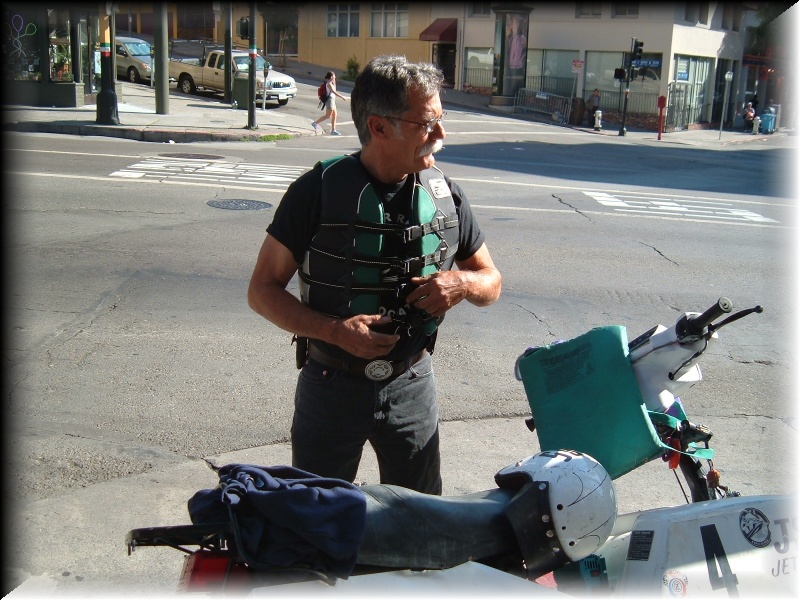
(205, 118)
(73, 543)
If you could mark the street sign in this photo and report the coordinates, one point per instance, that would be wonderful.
(654, 63)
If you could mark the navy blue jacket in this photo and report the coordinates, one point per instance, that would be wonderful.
(287, 517)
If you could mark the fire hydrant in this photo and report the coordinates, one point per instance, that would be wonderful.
(598, 119)
(756, 124)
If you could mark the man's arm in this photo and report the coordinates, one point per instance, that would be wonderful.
(477, 281)
(267, 295)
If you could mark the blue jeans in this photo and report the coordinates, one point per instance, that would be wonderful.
(336, 413)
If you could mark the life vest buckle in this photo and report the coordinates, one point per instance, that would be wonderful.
(416, 232)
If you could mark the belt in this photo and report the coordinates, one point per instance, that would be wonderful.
(375, 370)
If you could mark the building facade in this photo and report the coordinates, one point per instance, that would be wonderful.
(571, 48)
(564, 49)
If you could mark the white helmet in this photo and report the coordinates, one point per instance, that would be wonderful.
(582, 503)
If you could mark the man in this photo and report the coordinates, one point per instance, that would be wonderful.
(373, 237)
(592, 105)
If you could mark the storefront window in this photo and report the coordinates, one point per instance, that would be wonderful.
(551, 71)
(60, 50)
(20, 45)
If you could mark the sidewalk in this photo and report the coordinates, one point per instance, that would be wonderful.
(200, 118)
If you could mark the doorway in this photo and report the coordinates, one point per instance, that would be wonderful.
(444, 57)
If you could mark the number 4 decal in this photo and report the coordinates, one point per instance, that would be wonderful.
(715, 555)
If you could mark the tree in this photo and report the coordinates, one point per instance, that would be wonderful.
(281, 21)
(762, 40)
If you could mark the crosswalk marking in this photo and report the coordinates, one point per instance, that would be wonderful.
(211, 171)
(688, 208)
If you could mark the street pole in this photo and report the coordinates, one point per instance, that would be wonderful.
(627, 89)
(251, 96)
(228, 98)
(728, 78)
(160, 73)
(107, 111)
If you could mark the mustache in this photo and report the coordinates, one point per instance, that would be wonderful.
(431, 148)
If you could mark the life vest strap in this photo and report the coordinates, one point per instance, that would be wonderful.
(408, 234)
(394, 265)
(439, 223)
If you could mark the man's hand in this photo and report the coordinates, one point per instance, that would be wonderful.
(476, 280)
(439, 292)
(356, 336)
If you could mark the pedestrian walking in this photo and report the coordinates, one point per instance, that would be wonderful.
(329, 103)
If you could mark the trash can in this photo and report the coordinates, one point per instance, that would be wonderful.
(776, 110)
(241, 90)
(767, 122)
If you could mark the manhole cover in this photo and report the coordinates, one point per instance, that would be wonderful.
(192, 156)
(239, 204)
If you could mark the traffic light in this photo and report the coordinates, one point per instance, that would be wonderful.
(637, 49)
(619, 74)
(243, 27)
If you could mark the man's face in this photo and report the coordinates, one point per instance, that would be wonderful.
(413, 146)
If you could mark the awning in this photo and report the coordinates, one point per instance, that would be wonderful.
(441, 30)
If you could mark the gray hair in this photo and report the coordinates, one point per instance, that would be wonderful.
(382, 89)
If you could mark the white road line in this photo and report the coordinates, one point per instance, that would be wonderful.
(594, 188)
(280, 190)
(629, 215)
(720, 210)
(266, 188)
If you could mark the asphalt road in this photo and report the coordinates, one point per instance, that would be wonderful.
(133, 353)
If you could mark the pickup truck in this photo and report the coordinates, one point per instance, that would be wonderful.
(208, 73)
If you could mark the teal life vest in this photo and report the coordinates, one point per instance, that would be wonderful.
(358, 263)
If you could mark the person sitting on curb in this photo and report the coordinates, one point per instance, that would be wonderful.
(330, 104)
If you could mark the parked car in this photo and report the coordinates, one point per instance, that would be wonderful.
(480, 58)
(208, 73)
(134, 62)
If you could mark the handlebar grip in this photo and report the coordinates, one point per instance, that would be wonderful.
(698, 324)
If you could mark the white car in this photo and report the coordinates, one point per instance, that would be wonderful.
(134, 61)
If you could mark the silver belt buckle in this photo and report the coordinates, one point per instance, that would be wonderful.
(378, 370)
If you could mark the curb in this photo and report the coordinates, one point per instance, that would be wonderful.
(143, 134)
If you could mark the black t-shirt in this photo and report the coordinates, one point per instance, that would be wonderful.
(297, 219)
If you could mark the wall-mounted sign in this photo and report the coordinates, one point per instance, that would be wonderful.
(682, 70)
(654, 63)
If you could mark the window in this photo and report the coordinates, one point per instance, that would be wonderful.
(588, 10)
(697, 12)
(195, 21)
(60, 47)
(731, 15)
(389, 19)
(626, 9)
(20, 39)
(551, 71)
(479, 9)
(343, 20)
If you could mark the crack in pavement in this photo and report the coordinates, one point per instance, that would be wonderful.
(660, 253)
(535, 316)
(565, 203)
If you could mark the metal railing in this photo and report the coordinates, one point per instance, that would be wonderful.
(560, 86)
(542, 102)
(639, 103)
(478, 77)
(685, 105)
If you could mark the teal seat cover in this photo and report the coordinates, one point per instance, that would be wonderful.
(584, 396)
